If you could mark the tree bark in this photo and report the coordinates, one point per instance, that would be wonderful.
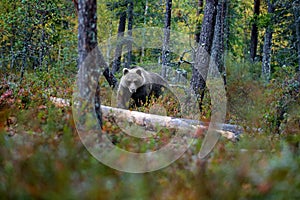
(42, 41)
(118, 51)
(202, 55)
(254, 31)
(111, 79)
(27, 39)
(26, 42)
(296, 9)
(266, 61)
(198, 25)
(165, 50)
(87, 31)
(129, 27)
(217, 50)
(76, 5)
(143, 44)
(227, 26)
(89, 55)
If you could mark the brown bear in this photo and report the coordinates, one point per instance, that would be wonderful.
(140, 85)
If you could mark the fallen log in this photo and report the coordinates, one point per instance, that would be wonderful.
(151, 123)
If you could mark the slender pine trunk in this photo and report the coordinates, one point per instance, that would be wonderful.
(198, 25)
(296, 9)
(143, 44)
(254, 31)
(118, 52)
(129, 27)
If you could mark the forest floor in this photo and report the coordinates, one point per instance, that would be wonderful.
(42, 156)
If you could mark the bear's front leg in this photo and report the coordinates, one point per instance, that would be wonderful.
(123, 98)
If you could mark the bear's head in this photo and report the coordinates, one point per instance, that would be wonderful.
(132, 79)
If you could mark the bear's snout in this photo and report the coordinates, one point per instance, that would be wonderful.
(132, 90)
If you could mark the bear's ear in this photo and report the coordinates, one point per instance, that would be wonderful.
(139, 72)
(125, 71)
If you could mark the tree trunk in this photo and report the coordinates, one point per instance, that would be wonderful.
(254, 31)
(130, 24)
(76, 5)
(198, 25)
(118, 51)
(266, 61)
(26, 42)
(89, 54)
(87, 29)
(165, 50)
(111, 79)
(42, 41)
(296, 8)
(25, 52)
(227, 26)
(143, 44)
(202, 55)
(217, 50)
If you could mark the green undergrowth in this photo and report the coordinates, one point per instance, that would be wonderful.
(271, 107)
(42, 157)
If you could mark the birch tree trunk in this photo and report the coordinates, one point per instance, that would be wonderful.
(266, 61)
(165, 50)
